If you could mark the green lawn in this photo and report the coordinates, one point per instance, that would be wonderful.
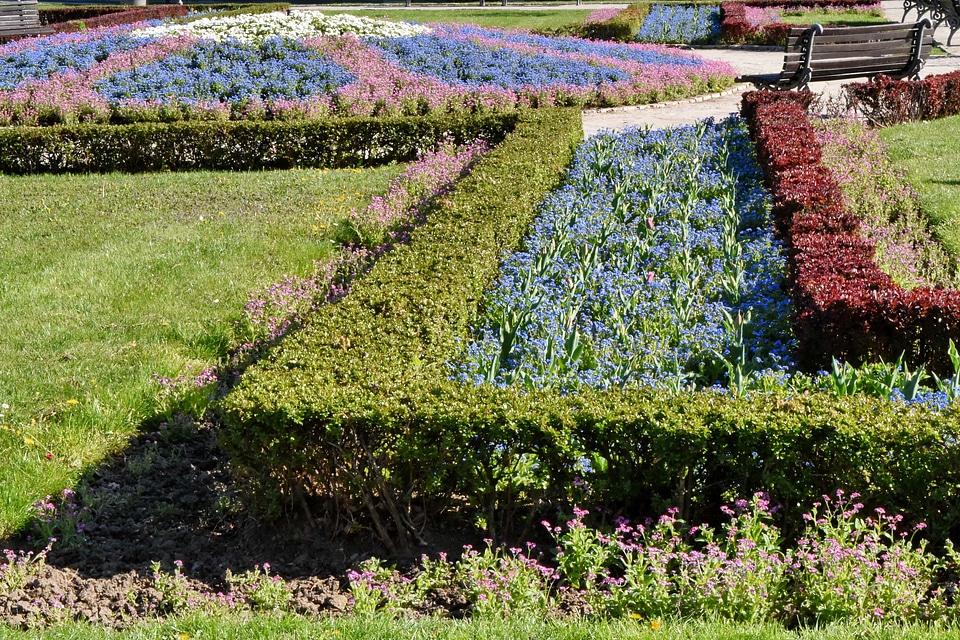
(486, 17)
(929, 154)
(109, 279)
(222, 627)
(845, 17)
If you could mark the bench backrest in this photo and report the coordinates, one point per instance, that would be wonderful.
(19, 17)
(853, 52)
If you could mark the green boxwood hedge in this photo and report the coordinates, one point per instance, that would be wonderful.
(235, 145)
(355, 417)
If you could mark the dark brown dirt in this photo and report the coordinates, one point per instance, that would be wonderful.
(170, 497)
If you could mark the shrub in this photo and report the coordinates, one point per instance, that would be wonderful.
(236, 145)
(736, 28)
(354, 418)
(846, 307)
(115, 18)
(886, 102)
(400, 325)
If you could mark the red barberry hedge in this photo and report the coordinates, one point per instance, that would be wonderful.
(886, 102)
(736, 29)
(846, 307)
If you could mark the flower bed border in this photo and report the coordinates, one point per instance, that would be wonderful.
(846, 306)
(237, 145)
(354, 419)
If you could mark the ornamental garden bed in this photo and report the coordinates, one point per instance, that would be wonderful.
(511, 334)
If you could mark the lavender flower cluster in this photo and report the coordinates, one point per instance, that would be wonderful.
(276, 310)
(654, 264)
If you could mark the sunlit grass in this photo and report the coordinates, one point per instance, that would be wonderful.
(109, 279)
(844, 17)
(223, 627)
(929, 152)
(487, 17)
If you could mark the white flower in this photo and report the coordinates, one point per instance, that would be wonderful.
(296, 25)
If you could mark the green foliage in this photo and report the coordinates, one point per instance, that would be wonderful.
(322, 407)
(260, 590)
(357, 410)
(174, 590)
(237, 145)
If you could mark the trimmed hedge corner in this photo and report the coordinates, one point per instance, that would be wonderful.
(886, 102)
(846, 306)
(355, 420)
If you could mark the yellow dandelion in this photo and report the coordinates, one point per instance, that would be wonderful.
(655, 625)
(636, 616)
(73, 401)
(29, 441)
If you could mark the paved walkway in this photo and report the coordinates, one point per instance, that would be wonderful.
(744, 60)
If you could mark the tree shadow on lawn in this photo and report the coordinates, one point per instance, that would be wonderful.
(170, 497)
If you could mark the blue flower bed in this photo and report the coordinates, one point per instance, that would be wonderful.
(654, 264)
(465, 63)
(230, 72)
(41, 62)
(580, 46)
(681, 24)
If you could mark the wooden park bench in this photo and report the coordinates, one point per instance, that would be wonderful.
(20, 18)
(820, 53)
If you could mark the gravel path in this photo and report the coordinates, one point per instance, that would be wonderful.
(744, 60)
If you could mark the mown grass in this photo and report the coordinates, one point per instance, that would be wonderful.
(500, 18)
(844, 17)
(929, 153)
(267, 627)
(106, 280)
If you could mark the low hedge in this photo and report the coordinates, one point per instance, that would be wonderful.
(846, 306)
(736, 29)
(65, 14)
(623, 27)
(301, 420)
(235, 145)
(886, 102)
(355, 421)
(112, 19)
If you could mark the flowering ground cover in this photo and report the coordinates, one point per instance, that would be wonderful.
(876, 190)
(697, 24)
(654, 264)
(339, 66)
(847, 564)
